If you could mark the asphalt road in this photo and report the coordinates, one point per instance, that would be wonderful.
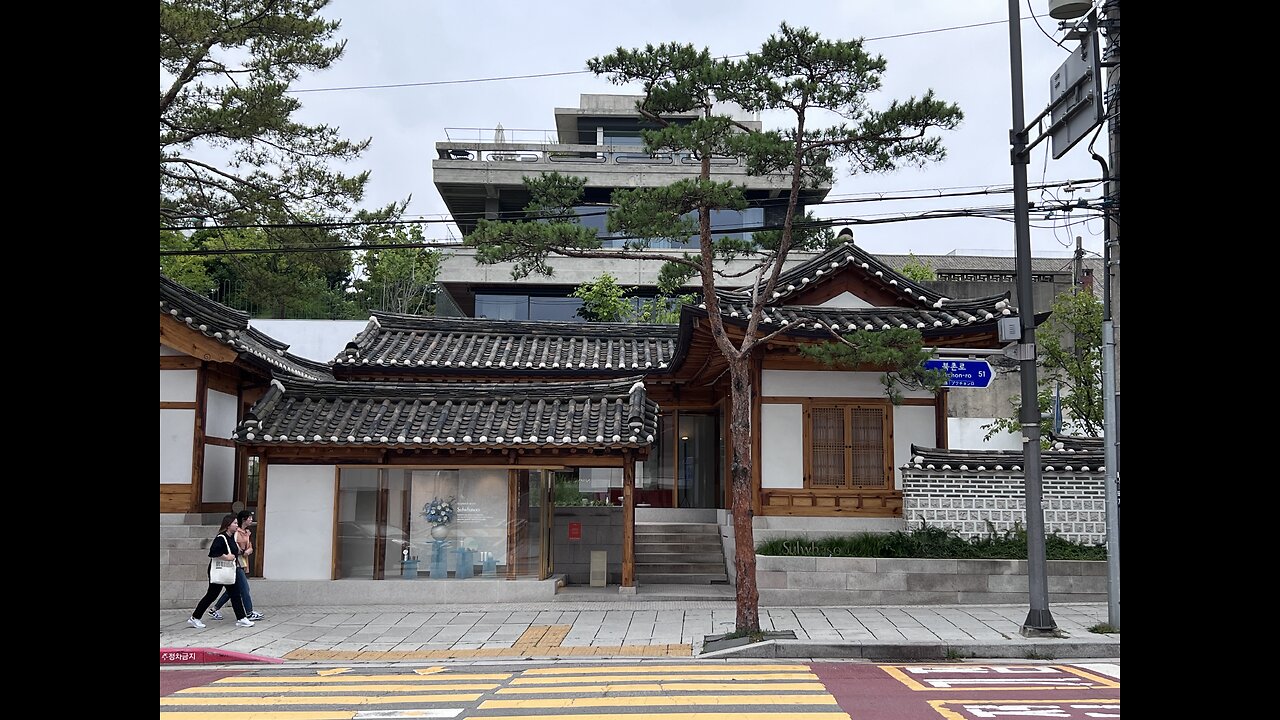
(651, 690)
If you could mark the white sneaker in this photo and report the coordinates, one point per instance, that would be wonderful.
(242, 622)
(193, 622)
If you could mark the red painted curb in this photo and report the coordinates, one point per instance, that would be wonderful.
(198, 656)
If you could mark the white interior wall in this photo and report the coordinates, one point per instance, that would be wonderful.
(177, 386)
(319, 340)
(782, 454)
(967, 434)
(846, 299)
(827, 383)
(219, 481)
(220, 414)
(177, 436)
(299, 522)
(911, 424)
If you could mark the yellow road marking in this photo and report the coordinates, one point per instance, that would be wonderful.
(315, 700)
(1103, 681)
(662, 701)
(426, 682)
(385, 687)
(661, 686)
(430, 670)
(706, 667)
(724, 677)
(949, 714)
(265, 715)
(333, 671)
(690, 716)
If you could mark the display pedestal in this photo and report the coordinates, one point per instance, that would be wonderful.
(439, 564)
(410, 569)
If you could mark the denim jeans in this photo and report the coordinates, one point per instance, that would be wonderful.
(242, 582)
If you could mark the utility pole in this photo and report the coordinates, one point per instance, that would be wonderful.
(1110, 25)
(1039, 620)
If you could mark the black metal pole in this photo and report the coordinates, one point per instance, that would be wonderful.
(1039, 620)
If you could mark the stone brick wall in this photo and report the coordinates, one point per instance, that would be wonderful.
(965, 501)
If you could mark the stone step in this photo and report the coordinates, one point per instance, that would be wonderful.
(673, 527)
(183, 556)
(658, 558)
(672, 551)
(185, 543)
(188, 531)
(679, 546)
(679, 568)
(681, 579)
(192, 519)
(677, 537)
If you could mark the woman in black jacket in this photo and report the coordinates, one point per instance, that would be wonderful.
(224, 547)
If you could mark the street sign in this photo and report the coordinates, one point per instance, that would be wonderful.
(963, 373)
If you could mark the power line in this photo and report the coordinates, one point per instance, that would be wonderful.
(992, 212)
(533, 76)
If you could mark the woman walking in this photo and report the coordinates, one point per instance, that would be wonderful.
(223, 547)
(244, 541)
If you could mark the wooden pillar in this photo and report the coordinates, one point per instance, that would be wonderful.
(628, 520)
(197, 447)
(940, 419)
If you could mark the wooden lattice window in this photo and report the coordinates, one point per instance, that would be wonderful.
(848, 446)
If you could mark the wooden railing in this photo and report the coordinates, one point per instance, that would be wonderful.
(820, 502)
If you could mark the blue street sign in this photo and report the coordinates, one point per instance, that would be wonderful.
(963, 373)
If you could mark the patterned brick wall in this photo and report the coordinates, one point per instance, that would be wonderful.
(965, 501)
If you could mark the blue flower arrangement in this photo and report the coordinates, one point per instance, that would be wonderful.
(439, 512)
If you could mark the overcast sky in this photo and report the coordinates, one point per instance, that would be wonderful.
(926, 43)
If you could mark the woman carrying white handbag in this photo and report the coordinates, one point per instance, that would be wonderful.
(222, 574)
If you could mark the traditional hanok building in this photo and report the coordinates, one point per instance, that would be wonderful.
(508, 421)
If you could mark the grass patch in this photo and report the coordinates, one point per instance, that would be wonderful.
(932, 542)
(1104, 629)
(953, 655)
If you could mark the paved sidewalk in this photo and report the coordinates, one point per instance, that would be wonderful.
(633, 629)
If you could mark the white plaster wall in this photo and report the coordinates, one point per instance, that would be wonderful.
(782, 446)
(967, 433)
(319, 340)
(177, 435)
(166, 350)
(218, 484)
(220, 417)
(846, 299)
(827, 383)
(911, 424)
(299, 522)
(177, 386)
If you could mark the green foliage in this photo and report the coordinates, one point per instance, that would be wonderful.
(399, 280)
(1069, 358)
(1104, 629)
(187, 270)
(916, 269)
(932, 542)
(551, 227)
(899, 353)
(229, 149)
(603, 300)
(568, 494)
(279, 285)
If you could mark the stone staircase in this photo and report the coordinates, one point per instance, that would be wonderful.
(679, 553)
(184, 557)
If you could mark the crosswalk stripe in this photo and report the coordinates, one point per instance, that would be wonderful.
(661, 686)
(671, 701)
(388, 687)
(315, 700)
(544, 680)
(658, 667)
(261, 715)
(426, 680)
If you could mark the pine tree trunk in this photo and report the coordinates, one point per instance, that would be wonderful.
(744, 559)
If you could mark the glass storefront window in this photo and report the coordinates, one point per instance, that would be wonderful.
(486, 522)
